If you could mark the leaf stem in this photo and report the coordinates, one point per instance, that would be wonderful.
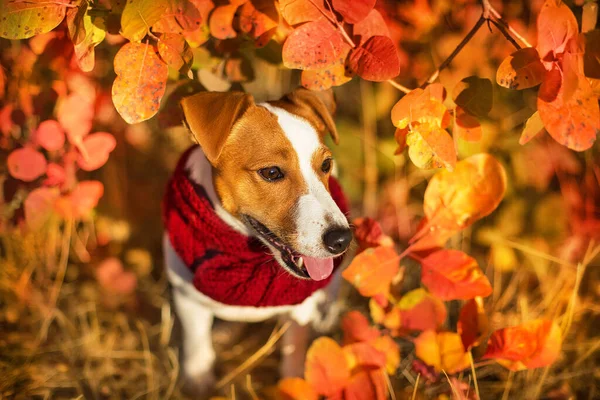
(501, 25)
(398, 86)
(490, 13)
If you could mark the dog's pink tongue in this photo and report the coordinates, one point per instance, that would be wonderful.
(318, 268)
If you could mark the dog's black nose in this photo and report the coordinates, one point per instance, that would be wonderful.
(337, 239)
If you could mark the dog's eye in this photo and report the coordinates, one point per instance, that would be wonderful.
(271, 174)
(326, 166)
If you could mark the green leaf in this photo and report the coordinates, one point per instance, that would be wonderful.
(23, 19)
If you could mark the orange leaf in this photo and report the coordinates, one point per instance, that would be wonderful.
(523, 69)
(333, 75)
(434, 237)
(367, 384)
(375, 60)
(81, 201)
(97, 147)
(467, 127)
(453, 275)
(420, 311)
(422, 106)
(257, 17)
(296, 389)
(139, 15)
(454, 200)
(573, 123)
(533, 127)
(175, 51)
(221, 20)
(353, 11)
(26, 164)
(400, 136)
(442, 351)
(75, 114)
(390, 348)
(372, 25)
(199, 36)
(556, 24)
(299, 11)
(472, 323)
(356, 328)
(314, 45)
(327, 370)
(372, 271)
(430, 146)
(533, 344)
(362, 354)
(180, 16)
(140, 83)
(50, 135)
(39, 205)
(368, 233)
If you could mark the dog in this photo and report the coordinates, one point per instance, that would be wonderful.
(255, 224)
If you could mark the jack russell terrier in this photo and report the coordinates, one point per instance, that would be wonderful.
(255, 223)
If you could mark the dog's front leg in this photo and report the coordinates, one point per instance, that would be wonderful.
(293, 348)
(198, 353)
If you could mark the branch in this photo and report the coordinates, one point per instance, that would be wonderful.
(490, 13)
(457, 50)
(502, 28)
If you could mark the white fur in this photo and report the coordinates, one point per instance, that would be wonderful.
(313, 207)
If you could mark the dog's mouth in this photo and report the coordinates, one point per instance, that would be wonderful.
(301, 266)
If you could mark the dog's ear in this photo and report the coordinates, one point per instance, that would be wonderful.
(210, 116)
(317, 106)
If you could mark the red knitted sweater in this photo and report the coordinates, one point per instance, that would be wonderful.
(228, 266)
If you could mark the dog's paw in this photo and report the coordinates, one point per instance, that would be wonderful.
(200, 385)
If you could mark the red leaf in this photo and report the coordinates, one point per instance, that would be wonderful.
(453, 275)
(175, 51)
(56, 175)
(533, 344)
(556, 24)
(372, 271)
(81, 201)
(420, 310)
(50, 135)
(221, 20)
(573, 123)
(258, 17)
(523, 69)
(26, 164)
(367, 384)
(296, 389)
(314, 45)
(112, 277)
(299, 11)
(362, 354)
(356, 328)
(179, 17)
(332, 75)
(95, 150)
(39, 205)
(353, 11)
(368, 233)
(372, 25)
(326, 367)
(472, 323)
(75, 114)
(140, 83)
(376, 60)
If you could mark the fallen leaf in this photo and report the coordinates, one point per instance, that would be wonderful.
(24, 19)
(443, 351)
(26, 164)
(473, 323)
(326, 370)
(314, 45)
(353, 11)
(421, 311)
(390, 348)
(530, 345)
(523, 69)
(454, 200)
(363, 354)
(375, 60)
(356, 328)
(140, 83)
(372, 271)
(454, 275)
(366, 384)
(50, 135)
(296, 389)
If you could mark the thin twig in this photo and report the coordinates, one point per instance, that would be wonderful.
(398, 86)
(490, 13)
(500, 24)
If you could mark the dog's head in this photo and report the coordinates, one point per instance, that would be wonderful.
(271, 171)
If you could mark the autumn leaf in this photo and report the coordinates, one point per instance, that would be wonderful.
(443, 351)
(298, 11)
(390, 348)
(296, 389)
(258, 17)
(466, 126)
(50, 135)
(523, 69)
(314, 45)
(454, 200)
(221, 20)
(363, 354)
(39, 205)
(430, 146)
(474, 95)
(368, 233)
(372, 271)
(556, 25)
(24, 19)
(75, 114)
(112, 276)
(429, 237)
(140, 83)
(366, 384)
(86, 32)
(453, 275)
(473, 323)
(55, 175)
(421, 106)
(419, 310)
(175, 51)
(81, 201)
(139, 15)
(591, 55)
(26, 164)
(375, 60)
(95, 150)
(332, 75)
(356, 328)
(353, 11)
(327, 370)
(533, 127)
(573, 123)
(179, 16)
(530, 345)
(372, 25)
